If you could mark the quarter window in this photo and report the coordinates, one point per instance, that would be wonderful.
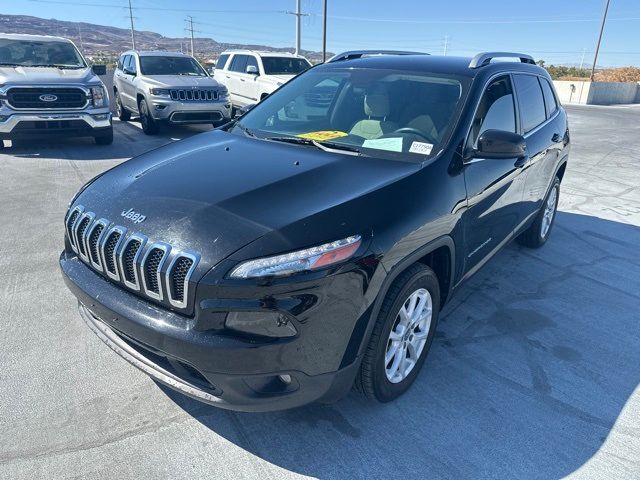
(549, 98)
(531, 101)
(238, 63)
(496, 110)
(222, 61)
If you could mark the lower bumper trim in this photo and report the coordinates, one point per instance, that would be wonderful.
(113, 341)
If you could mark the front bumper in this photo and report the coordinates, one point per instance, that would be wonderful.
(165, 109)
(220, 369)
(19, 124)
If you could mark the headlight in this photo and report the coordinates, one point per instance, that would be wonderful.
(99, 96)
(308, 259)
(160, 92)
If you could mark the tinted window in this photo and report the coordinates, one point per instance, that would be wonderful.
(130, 63)
(284, 65)
(531, 101)
(496, 110)
(37, 53)
(239, 63)
(120, 63)
(549, 98)
(171, 66)
(251, 61)
(222, 61)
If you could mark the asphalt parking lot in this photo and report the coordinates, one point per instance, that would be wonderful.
(534, 373)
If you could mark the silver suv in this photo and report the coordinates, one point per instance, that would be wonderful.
(47, 88)
(167, 87)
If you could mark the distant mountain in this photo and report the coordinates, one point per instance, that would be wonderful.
(101, 40)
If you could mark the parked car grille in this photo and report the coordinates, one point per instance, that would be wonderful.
(194, 95)
(129, 259)
(32, 98)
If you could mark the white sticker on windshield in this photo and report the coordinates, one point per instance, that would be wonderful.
(421, 148)
(390, 144)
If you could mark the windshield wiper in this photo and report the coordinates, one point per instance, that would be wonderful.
(55, 65)
(11, 65)
(324, 146)
(244, 129)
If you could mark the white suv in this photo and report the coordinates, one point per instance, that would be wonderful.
(250, 76)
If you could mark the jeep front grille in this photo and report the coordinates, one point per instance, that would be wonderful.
(26, 98)
(193, 95)
(129, 259)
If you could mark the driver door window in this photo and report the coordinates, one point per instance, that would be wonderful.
(496, 110)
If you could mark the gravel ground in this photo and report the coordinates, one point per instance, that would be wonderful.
(534, 372)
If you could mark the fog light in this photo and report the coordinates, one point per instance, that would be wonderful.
(285, 379)
(4, 118)
(102, 116)
(160, 107)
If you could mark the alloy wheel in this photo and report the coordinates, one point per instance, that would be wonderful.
(408, 335)
(549, 212)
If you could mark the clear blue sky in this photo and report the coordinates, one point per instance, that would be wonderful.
(558, 31)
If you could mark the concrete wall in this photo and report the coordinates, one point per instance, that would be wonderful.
(597, 93)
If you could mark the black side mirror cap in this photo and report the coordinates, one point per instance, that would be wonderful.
(500, 144)
(126, 71)
(99, 69)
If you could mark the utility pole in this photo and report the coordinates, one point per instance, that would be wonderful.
(595, 58)
(133, 35)
(324, 32)
(298, 14)
(446, 45)
(190, 20)
(80, 36)
(584, 53)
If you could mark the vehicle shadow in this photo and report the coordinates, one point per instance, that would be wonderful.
(533, 363)
(129, 141)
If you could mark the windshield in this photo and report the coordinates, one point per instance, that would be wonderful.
(171, 66)
(29, 53)
(284, 65)
(379, 112)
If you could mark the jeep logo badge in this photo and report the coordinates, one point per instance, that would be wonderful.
(48, 98)
(135, 217)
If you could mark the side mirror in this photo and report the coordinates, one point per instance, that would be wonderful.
(99, 69)
(128, 71)
(499, 144)
(252, 70)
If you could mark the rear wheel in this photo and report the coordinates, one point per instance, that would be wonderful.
(123, 114)
(540, 230)
(402, 335)
(149, 125)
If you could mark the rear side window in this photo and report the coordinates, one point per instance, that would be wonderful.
(496, 110)
(549, 98)
(238, 63)
(531, 101)
(222, 61)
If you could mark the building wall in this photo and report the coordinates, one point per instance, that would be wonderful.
(597, 93)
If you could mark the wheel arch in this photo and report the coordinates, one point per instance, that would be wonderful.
(436, 250)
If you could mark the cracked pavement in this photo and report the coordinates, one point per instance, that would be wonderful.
(534, 372)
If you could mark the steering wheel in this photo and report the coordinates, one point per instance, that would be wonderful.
(419, 133)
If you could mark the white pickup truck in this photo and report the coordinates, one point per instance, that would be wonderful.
(250, 75)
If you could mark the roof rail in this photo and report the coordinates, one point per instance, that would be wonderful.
(484, 58)
(351, 55)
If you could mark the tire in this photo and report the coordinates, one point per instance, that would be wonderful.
(539, 231)
(123, 114)
(375, 379)
(149, 125)
(105, 138)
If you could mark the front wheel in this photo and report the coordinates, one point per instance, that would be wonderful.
(540, 230)
(105, 138)
(402, 335)
(123, 114)
(149, 125)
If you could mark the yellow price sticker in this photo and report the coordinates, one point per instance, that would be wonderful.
(323, 135)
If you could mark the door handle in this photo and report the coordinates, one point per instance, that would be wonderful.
(556, 138)
(227, 76)
(520, 162)
(242, 79)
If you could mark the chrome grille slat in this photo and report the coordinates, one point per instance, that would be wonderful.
(151, 268)
(130, 259)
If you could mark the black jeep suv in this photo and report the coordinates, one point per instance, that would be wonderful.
(309, 245)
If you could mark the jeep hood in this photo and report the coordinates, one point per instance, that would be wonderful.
(46, 75)
(178, 81)
(216, 192)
